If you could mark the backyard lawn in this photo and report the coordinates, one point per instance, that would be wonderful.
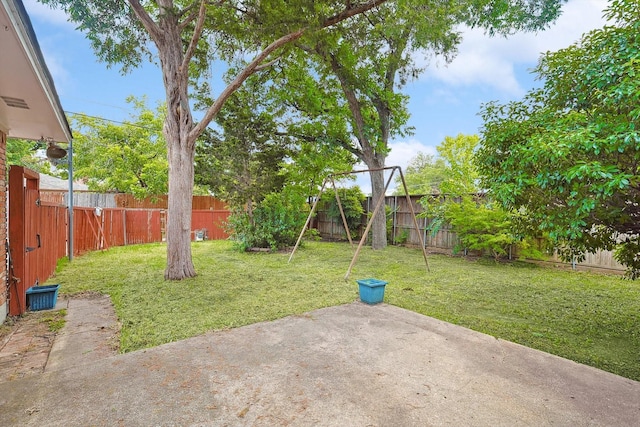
(590, 318)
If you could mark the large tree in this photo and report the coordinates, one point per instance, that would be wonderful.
(243, 162)
(129, 157)
(423, 175)
(186, 38)
(358, 70)
(568, 155)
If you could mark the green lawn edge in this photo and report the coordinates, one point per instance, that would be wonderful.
(590, 318)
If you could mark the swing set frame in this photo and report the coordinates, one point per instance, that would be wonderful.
(331, 179)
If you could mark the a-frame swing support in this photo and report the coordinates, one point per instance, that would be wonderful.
(369, 222)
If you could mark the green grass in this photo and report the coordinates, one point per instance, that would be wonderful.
(590, 318)
(55, 320)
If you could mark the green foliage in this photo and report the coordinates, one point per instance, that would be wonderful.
(567, 154)
(461, 175)
(274, 223)
(130, 157)
(244, 162)
(22, 152)
(452, 172)
(479, 226)
(351, 200)
(402, 237)
(424, 175)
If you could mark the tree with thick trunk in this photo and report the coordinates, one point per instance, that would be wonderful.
(186, 37)
(370, 59)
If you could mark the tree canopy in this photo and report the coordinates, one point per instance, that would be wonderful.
(568, 154)
(243, 162)
(424, 175)
(128, 157)
(186, 37)
(452, 171)
(23, 152)
(349, 81)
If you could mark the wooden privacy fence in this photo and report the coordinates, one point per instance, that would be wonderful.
(402, 227)
(39, 229)
(96, 229)
(444, 240)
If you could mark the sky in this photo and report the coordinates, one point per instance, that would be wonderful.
(444, 101)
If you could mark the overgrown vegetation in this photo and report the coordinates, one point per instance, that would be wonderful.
(567, 154)
(55, 320)
(589, 318)
(351, 200)
(274, 223)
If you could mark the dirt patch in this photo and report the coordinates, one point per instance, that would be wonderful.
(26, 341)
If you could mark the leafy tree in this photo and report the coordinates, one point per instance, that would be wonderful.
(480, 226)
(23, 152)
(452, 172)
(567, 155)
(424, 175)
(461, 173)
(185, 38)
(351, 200)
(244, 162)
(130, 157)
(353, 84)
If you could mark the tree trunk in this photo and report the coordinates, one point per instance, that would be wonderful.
(181, 152)
(179, 262)
(379, 222)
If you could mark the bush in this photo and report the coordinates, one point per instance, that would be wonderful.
(275, 222)
(479, 226)
(351, 200)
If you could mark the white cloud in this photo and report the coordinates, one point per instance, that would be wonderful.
(400, 155)
(490, 61)
(46, 13)
(402, 152)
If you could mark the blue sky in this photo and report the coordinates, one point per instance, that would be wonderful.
(444, 100)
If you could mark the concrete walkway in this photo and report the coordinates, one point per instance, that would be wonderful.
(352, 365)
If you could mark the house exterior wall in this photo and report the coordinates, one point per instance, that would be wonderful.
(3, 227)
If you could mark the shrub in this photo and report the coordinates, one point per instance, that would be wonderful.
(351, 200)
(480, 226)
(275, 222)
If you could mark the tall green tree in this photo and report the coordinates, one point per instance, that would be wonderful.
(128, 157)
(359, 69)
(568, 154)
(244, 161)
(185, 37)
(424, 175)
(458, 153)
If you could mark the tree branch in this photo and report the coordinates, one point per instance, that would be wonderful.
(147, 21)
(197, 32)
(254, 65)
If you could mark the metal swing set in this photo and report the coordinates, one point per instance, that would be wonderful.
(331, 179)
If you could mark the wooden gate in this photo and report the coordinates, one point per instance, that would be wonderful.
(37, 237)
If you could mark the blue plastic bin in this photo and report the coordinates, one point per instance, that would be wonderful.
(371, 290)
(42, 297)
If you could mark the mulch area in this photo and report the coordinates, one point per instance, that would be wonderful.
(25, 344)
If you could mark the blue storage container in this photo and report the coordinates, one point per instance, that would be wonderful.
(371, 290)
(42, 297)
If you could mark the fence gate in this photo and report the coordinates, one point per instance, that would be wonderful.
(24, 236)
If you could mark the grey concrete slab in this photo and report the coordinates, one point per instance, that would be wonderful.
(90, 333)
(352, 365)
